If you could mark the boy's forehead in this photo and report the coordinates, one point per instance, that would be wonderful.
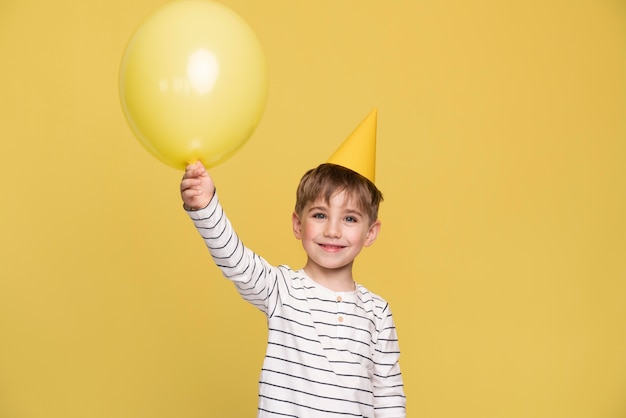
(342, 198)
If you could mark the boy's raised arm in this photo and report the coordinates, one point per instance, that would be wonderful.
(197, 187)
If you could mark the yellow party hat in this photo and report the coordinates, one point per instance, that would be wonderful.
(358, 151)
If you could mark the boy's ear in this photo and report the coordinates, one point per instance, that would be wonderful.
(372, 233)
(297, 225)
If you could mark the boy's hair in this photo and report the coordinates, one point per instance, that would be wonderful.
(327, 179)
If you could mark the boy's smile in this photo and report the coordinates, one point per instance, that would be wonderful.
(333, 233)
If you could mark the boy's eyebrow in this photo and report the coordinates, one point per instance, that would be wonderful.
(317, 207)
(355, 211)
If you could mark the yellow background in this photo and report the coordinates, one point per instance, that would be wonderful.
(501, 153)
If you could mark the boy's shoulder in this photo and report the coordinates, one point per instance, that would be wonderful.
(367, 296)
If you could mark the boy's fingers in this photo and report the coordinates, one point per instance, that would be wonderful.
(188, 183)
(191, 172)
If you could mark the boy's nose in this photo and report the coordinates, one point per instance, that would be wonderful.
(332, 230)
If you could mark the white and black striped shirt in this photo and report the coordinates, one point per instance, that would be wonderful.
(329, 354)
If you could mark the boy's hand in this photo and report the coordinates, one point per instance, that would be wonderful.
(197, 187)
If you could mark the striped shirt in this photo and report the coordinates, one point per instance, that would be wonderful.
(329, 354)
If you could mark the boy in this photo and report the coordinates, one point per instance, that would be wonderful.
(332, 347)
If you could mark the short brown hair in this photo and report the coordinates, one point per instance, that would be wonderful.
(327, 179)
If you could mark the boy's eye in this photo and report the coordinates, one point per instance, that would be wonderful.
(319, 216)
(351, 219)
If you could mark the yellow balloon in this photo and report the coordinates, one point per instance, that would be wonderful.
(193, 83)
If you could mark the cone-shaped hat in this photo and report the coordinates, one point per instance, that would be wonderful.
(358, 151)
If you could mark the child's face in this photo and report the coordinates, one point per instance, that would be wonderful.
(333, 233)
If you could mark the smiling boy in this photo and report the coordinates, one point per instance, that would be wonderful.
(336, 215)
(332, 347)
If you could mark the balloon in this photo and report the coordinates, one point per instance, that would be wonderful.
(193, 83)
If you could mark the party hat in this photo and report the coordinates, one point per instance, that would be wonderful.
(358, 151)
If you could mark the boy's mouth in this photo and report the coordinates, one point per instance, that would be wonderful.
(331, 247)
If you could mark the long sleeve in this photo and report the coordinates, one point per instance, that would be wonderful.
(389, 398)
(254, 277)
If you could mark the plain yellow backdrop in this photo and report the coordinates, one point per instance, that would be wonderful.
(501, 153)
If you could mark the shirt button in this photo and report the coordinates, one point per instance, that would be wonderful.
(340, 319)
(339, 299)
